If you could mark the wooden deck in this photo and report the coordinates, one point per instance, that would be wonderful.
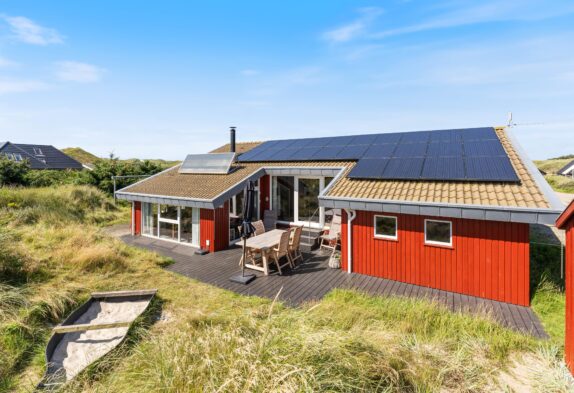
(314, 279)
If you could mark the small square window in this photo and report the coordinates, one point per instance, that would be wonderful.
(386, 227)
(17, 157)
(38, 151)
(438, 232)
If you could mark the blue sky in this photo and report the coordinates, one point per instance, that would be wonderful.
(163, 79)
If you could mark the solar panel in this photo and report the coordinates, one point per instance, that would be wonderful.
(445, 136)
(479, 134)
(444, 149)
(443, 168)
(305, 153)
(363, 140)
(403, 168)
(406, 150)
(415, 137)
(351, 153)
(212, 163)
(458, 154)
(339, 141)
(388, 138)
(327, 153)
(490, 168)
(283, 155)
(369, 168)
(380, 151)
(487, 148)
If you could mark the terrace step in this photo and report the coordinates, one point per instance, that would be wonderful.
(310, 239)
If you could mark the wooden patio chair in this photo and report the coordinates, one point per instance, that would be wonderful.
(270, 219)
(295, 243)
(281, 251)
(259, 227)
(332, 238)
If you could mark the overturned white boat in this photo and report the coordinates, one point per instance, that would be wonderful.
(90, 332)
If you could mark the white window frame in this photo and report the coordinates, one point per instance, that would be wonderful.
(379, 236)
(38, 151)
(170, 221)
(435, 243)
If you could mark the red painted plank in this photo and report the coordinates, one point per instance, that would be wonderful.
(488, 259)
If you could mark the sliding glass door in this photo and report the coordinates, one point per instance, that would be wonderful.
(173, 223)
(296, 199)
(308, 197)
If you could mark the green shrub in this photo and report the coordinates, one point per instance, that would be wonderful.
(12, 172)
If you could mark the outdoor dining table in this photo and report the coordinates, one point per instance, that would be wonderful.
(263, 244)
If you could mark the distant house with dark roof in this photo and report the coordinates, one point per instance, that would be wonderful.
(38, 156)
(446, 209)
(567, 170)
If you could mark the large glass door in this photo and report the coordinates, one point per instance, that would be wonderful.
(308, 190)
(296, 199)
(283, 197)
(189, 224)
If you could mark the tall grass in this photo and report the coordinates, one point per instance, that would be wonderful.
(209, 339)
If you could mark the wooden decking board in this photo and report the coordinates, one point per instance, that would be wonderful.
(313, 279)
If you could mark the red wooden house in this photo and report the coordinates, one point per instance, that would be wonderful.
(446, 209)
(566, 222)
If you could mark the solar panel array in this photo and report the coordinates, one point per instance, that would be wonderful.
(212, 163)
(473, 154)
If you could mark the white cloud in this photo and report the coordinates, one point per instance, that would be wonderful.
(460, 14)
(29, 32)
(354, 29)
(21, 86)
(74, 71)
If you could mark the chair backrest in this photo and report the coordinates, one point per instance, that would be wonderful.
(296, 237)
(335, 226)
(259, 227)
(283, 247)
(270, 219)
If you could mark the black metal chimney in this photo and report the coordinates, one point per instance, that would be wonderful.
(232, 139)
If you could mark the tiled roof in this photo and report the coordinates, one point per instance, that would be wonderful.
(207, 186)
(240, 147)
(523, 194)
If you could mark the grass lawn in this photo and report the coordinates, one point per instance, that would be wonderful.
(200, 338)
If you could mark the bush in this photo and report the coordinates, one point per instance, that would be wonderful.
(101, 175)
(12, 172)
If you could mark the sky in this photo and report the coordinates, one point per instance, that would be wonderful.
(162, 79)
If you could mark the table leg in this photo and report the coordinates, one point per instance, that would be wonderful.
(264, 260)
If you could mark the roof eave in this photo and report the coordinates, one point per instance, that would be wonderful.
(476, 212)
(566, 216)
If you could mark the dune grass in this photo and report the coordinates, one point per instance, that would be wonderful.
(208, 339)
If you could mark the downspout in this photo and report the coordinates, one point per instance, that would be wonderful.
(351, 214)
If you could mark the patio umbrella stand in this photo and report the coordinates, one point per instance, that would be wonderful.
(247, 230)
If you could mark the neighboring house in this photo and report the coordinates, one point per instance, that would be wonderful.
(567, 170)
(566, 222)
(444, 209)
(39, 156)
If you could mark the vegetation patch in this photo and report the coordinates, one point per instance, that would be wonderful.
(209, 339)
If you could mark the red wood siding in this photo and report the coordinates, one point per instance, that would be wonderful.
(137, 217)
(569, 344)
(221, 227)
(487, 259)
(214, 226)
(206, 228)
(264, 195)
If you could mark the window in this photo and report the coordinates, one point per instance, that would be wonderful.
(38, 151)
(386, 227)
(17, 157)
(438, 232)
